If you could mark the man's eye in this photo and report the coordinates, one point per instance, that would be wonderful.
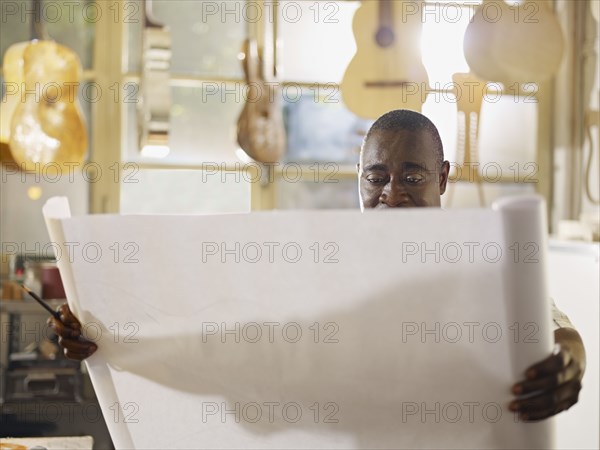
(414, 179)
(375, 179)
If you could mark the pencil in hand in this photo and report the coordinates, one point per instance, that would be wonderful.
(37, 298)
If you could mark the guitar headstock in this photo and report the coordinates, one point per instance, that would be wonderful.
(155, 92)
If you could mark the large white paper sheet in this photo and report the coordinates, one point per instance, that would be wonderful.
(321, 329)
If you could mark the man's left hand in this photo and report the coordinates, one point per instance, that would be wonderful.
(553, 384)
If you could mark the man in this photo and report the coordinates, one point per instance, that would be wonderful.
(402, 165)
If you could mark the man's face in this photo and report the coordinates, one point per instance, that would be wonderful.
(398, 169)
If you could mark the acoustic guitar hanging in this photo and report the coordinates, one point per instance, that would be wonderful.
(387, 71)
(46, 123)
(260, 130)
(506, 43)
(154, 104)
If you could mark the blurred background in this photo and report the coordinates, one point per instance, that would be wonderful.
(155, 105)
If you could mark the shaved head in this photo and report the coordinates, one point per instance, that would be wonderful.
(405, 119)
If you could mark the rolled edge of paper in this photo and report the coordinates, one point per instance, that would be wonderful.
(529, 305)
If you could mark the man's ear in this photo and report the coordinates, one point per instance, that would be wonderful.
(444, 173)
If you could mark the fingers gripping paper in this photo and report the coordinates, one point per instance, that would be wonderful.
(333, 329)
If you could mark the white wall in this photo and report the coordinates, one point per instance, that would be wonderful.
(574, 285)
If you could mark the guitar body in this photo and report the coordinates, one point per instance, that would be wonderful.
(383, 76)
(260, 129)
(49, 128)
(525, 44)
(480, 39)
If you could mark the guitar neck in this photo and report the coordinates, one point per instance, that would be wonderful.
(386, 14)
(385, 36)
(38, 28)
(154, 109)
(268, 51)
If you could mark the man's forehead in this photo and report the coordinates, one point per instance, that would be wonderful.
(399, 146)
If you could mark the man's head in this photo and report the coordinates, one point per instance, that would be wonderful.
(402, 162)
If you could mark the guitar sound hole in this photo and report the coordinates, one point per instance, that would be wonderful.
(384, 37)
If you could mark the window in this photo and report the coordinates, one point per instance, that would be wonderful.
(315, 44)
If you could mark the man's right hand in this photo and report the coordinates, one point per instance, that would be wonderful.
(70, 339)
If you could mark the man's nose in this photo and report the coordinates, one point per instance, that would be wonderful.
(394, 194)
